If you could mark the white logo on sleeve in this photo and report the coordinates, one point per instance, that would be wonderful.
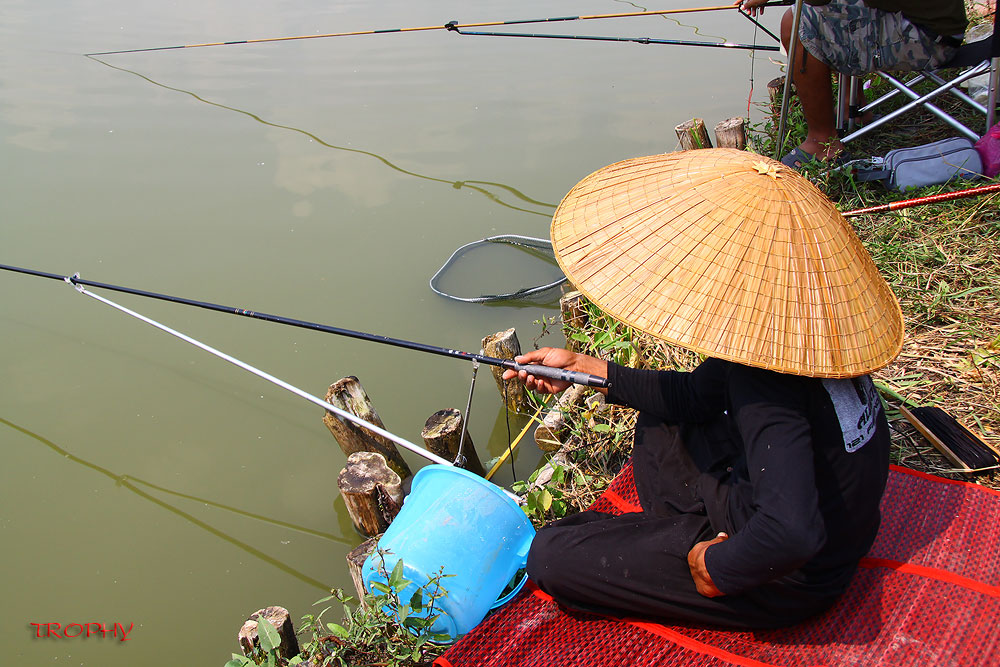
(857, 404)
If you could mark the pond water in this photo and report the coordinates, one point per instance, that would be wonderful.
(147, 483)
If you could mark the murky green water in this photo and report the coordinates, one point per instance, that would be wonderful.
(147, 483)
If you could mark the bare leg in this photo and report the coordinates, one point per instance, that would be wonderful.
(812, 78)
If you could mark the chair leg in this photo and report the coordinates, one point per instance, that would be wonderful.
(844, 120)
(957, 92)
(991, 102)
(917, 100)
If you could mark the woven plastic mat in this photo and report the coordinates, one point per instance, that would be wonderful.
(927, 594)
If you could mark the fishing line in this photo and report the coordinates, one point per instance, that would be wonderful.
(454, 25)
(343, 414)
(460, 457)
(510, 445)
(517, 441)
(757, 25)
(533, 369)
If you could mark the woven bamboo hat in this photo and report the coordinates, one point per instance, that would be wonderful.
(732, 255)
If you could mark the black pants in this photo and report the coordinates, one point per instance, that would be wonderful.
(635, 564)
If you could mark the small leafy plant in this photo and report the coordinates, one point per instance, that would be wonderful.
(543, 503)
(267, 651)
(383, 630)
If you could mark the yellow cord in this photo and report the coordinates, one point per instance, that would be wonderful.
(517, 440)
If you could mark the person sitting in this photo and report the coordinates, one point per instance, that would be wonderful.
(760, 493)
(760, 472)
(857, 37)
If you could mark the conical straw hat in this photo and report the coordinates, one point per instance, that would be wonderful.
(732, 255)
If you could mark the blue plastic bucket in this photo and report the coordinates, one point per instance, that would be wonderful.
(457, 523)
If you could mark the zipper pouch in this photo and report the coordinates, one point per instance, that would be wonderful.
(930, 164)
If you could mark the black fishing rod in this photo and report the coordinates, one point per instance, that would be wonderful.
(554, 19)
(637, 40)
(533, 369)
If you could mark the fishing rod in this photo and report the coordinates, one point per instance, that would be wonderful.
(660, 12)
(929, 199)
(637, 40)
(343, 414)
(533, 369)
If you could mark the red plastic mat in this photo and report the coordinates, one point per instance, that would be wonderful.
(927, 594)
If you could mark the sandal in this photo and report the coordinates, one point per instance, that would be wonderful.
(798, 158)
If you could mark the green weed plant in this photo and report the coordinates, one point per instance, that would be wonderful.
(383, 629)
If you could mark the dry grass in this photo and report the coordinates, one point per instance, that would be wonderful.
(942, 264)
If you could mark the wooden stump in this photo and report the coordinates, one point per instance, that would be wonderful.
(548, 433)
(504, 345)
(348, 395)
(775, 89)
(355, 561)
(282, 622)
(731, 133)
(573, 310)
(441, 434)
(372, 492)
(692, 134)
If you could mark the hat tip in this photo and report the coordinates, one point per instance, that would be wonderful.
(771, 169)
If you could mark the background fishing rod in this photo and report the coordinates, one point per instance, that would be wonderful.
(533, 369)
(453, 25)
(636, 40)
(923, 201)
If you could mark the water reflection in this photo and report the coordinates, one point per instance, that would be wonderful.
(482, 187)
(130, 483)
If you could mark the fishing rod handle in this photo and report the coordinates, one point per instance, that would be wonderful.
(562, 374)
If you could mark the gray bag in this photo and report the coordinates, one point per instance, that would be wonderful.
(930, 164)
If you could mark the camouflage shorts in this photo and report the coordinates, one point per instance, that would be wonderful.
(855, 39)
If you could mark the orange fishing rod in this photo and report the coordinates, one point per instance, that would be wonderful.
(450, 27)
(929, 199)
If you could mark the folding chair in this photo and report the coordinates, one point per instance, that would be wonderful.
(979, 57)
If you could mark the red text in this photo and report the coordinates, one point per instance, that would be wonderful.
(74, 630)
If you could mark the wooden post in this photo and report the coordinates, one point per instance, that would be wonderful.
(692, 134)
(731, 133)
(282, 622)
(372, 492)
(355, 561)
(504, 345)
(441, 433)
(573, 310)
(775, 88)
(574, 317)
(547, 433)
(348, 395)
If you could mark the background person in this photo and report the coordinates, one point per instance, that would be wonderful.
(857, 37)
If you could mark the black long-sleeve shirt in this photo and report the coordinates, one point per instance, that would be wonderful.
(800, 463)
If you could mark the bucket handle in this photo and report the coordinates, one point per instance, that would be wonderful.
(522, 555)
(510, 596)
